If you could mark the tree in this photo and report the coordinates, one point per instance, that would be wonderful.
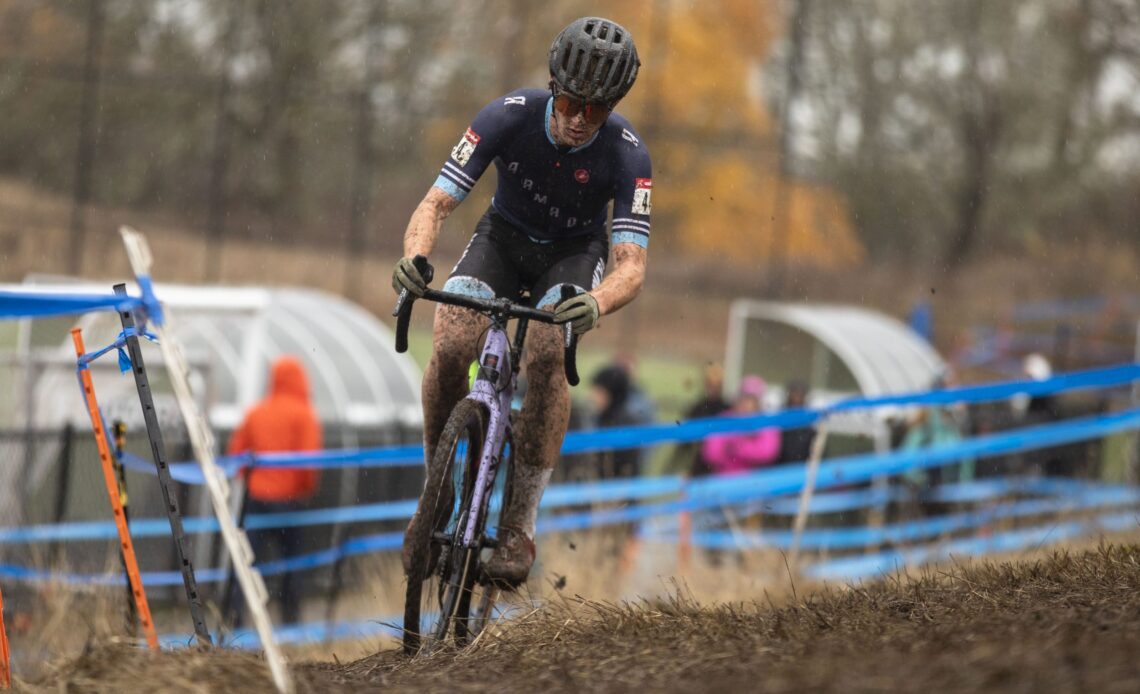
(954, 127)
(715, 144)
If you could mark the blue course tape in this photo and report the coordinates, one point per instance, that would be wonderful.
(150, 302)
(912, 531)
(948, 493)
(382, 542)
(700, 493)
(837, 502)
(693, 430)
(872, 565)
(21, 304)
(294, 634)
(862, 468)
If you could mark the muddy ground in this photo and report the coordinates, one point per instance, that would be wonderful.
(1065, 623)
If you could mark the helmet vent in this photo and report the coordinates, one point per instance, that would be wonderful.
(594, 59)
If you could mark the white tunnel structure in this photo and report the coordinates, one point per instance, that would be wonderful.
(838, 351)
(230, 336)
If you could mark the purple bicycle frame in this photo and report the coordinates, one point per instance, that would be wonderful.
(494, 387)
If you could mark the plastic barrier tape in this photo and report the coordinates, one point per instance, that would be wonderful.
(693, 430)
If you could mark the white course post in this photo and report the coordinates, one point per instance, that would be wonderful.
(202, 441)
(818, 444)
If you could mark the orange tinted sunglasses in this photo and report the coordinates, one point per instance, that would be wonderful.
(594, 113)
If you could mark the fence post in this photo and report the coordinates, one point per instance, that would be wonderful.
(119, 434)
(229, 596)
(165, 482)
(1132, 466)
(817, 446)
(5, 665)
(126, 547)
(63, 484)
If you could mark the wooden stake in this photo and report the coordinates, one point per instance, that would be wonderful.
(125, 545)
(5, 665)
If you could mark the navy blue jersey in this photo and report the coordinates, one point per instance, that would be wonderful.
(550, 192)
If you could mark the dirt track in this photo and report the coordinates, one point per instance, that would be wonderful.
(1071, 622)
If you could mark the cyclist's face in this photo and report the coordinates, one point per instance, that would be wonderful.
(573, 122)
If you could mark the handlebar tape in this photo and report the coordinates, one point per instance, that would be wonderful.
(570, 353)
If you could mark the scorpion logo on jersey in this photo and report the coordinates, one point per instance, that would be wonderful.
(463, 150)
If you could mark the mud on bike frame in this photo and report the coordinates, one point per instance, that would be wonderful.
(494, 387)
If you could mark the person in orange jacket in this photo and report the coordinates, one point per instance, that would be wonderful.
(283, 422)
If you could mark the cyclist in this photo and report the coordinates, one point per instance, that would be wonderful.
(562, 155)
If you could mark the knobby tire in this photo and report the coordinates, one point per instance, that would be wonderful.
(467, 421)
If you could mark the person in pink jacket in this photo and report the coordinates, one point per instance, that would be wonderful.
(729, 454)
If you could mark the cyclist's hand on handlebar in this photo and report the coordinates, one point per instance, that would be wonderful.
(406, 276)
(581, 312)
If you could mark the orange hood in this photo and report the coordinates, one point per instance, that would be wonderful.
(289, 379)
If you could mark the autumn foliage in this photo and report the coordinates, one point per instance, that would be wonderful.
(701, 104)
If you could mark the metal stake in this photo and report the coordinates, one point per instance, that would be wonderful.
(165, 481)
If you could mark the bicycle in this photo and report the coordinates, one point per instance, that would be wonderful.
(446, 554)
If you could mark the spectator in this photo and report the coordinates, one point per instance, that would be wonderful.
(736, 453)
(1040, 409)
(638, 405)
(688, 458)
(932, 427)
(1055, 461)
(609, 394)
(284, 421)
(795, 444)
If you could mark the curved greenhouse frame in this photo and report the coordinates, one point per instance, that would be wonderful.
(838, 351)
(230, 336)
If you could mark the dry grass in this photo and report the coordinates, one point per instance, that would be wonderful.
(1062, 621)
(682, 312)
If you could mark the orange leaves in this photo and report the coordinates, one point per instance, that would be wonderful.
(701, 106)
(731, 208)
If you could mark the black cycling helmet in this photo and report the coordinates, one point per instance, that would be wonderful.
(594, 59)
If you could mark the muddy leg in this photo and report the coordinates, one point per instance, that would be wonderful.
(540, 426)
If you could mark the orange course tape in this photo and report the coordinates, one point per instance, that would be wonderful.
(125, 543)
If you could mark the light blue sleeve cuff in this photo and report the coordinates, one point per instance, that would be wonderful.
(629, 237)
(445, 184)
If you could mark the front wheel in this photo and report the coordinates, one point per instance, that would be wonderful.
(439, 570)
(477, 605)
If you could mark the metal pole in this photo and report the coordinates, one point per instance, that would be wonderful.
(165, 481)
(63, 487)
(119, 436)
